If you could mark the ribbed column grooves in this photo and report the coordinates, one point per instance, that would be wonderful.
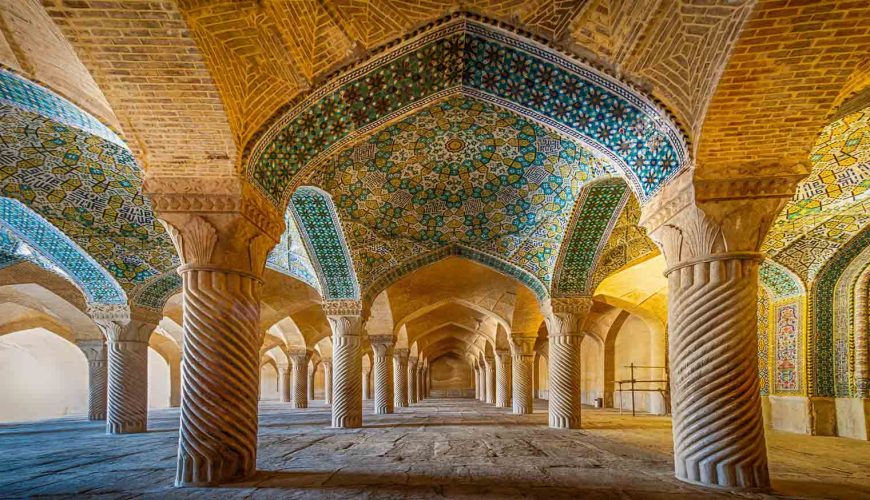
(285, 385)
(412, 381)
(383, 379)
(400, 384)
(127, 387)
(490, 381)
(98, 378)
(564, 381)
(346, 381)
(503, 379)
(327, 382)
(300, 382)
(522, 383)
(717, 424)
(218, 434)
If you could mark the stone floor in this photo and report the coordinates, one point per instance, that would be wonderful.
(439, 448)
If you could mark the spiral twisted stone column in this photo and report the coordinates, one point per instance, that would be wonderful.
(382, 345)
(718, 429)
(311, 371)
(127, 380)
(345, 318)
(223, 230)
(412, 380)
(523, 349)
(565, 319)
(503, 378)
(327, 381)
(300, 378)
(218, 435)
(710, 230)
(481, 381)
(97, 356)
(365, 385)
(400, 378)
(490, 379)
(285, 388)
(127, 403)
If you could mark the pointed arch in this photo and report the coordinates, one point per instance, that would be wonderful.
(595, 214)
(821, 363)
(315, 214)
(68, 258)
(639, 138)
(418, 261)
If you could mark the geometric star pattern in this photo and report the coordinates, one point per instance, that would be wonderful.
(470, 58)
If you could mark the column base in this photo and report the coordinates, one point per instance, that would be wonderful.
(557, 422)
(191, 474)
(294, 404)
(126, 427)
(744, 479)
(95, 417)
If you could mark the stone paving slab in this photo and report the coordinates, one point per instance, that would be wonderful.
(435, 449)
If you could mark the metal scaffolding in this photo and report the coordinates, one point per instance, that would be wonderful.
(632, 383)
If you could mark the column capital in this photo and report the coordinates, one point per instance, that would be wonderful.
(137, 328)
(94, 349)
(566, 315)
(217, 223)
(402, 353)
(412, 361)
(523, 345)
(299, 354)
(503, 353)
(695, 218)
(382, 340)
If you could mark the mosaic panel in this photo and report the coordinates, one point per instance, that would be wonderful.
(29, 96)
(763, 340)
(779, 280)
(823, 312)
(322, 232)
(86, 187)
(594, 216)
(787, 347)
(39, 235)
(476, 60)
(154, 294)
(844, 325)
(290, 257)
(832, 204)
(626, 243)
(459, 172)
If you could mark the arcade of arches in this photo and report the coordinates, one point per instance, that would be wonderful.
(557, 247)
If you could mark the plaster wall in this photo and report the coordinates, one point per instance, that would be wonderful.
(543, 378)
(790, 414)
(451, 377)
(592, 370)
(158, 380)
(268, 383)
(43, 376)
(853, 418)
(634, 344)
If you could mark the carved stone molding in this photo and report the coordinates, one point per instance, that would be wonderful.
(343, 308)
(565, 316)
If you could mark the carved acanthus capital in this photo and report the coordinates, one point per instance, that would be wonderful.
(523, 345)
(412, 361)
(503, 354)
(223, 223)
(565, 316)
(402, 354)
(105, 312)
(694, 217)
(345, 317)
(299, 355)
(94, 349)
(382, 345)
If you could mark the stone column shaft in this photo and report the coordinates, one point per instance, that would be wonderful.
(365, 385)
(565, 319)
(412, 380)
(400, 383)
(382, 345)
(311, 372)
(345, 318)
(490, 380)
(327, 381)
(300, 378)
(503, 381)
(98, 365)
(523, 348)
(285, 384)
